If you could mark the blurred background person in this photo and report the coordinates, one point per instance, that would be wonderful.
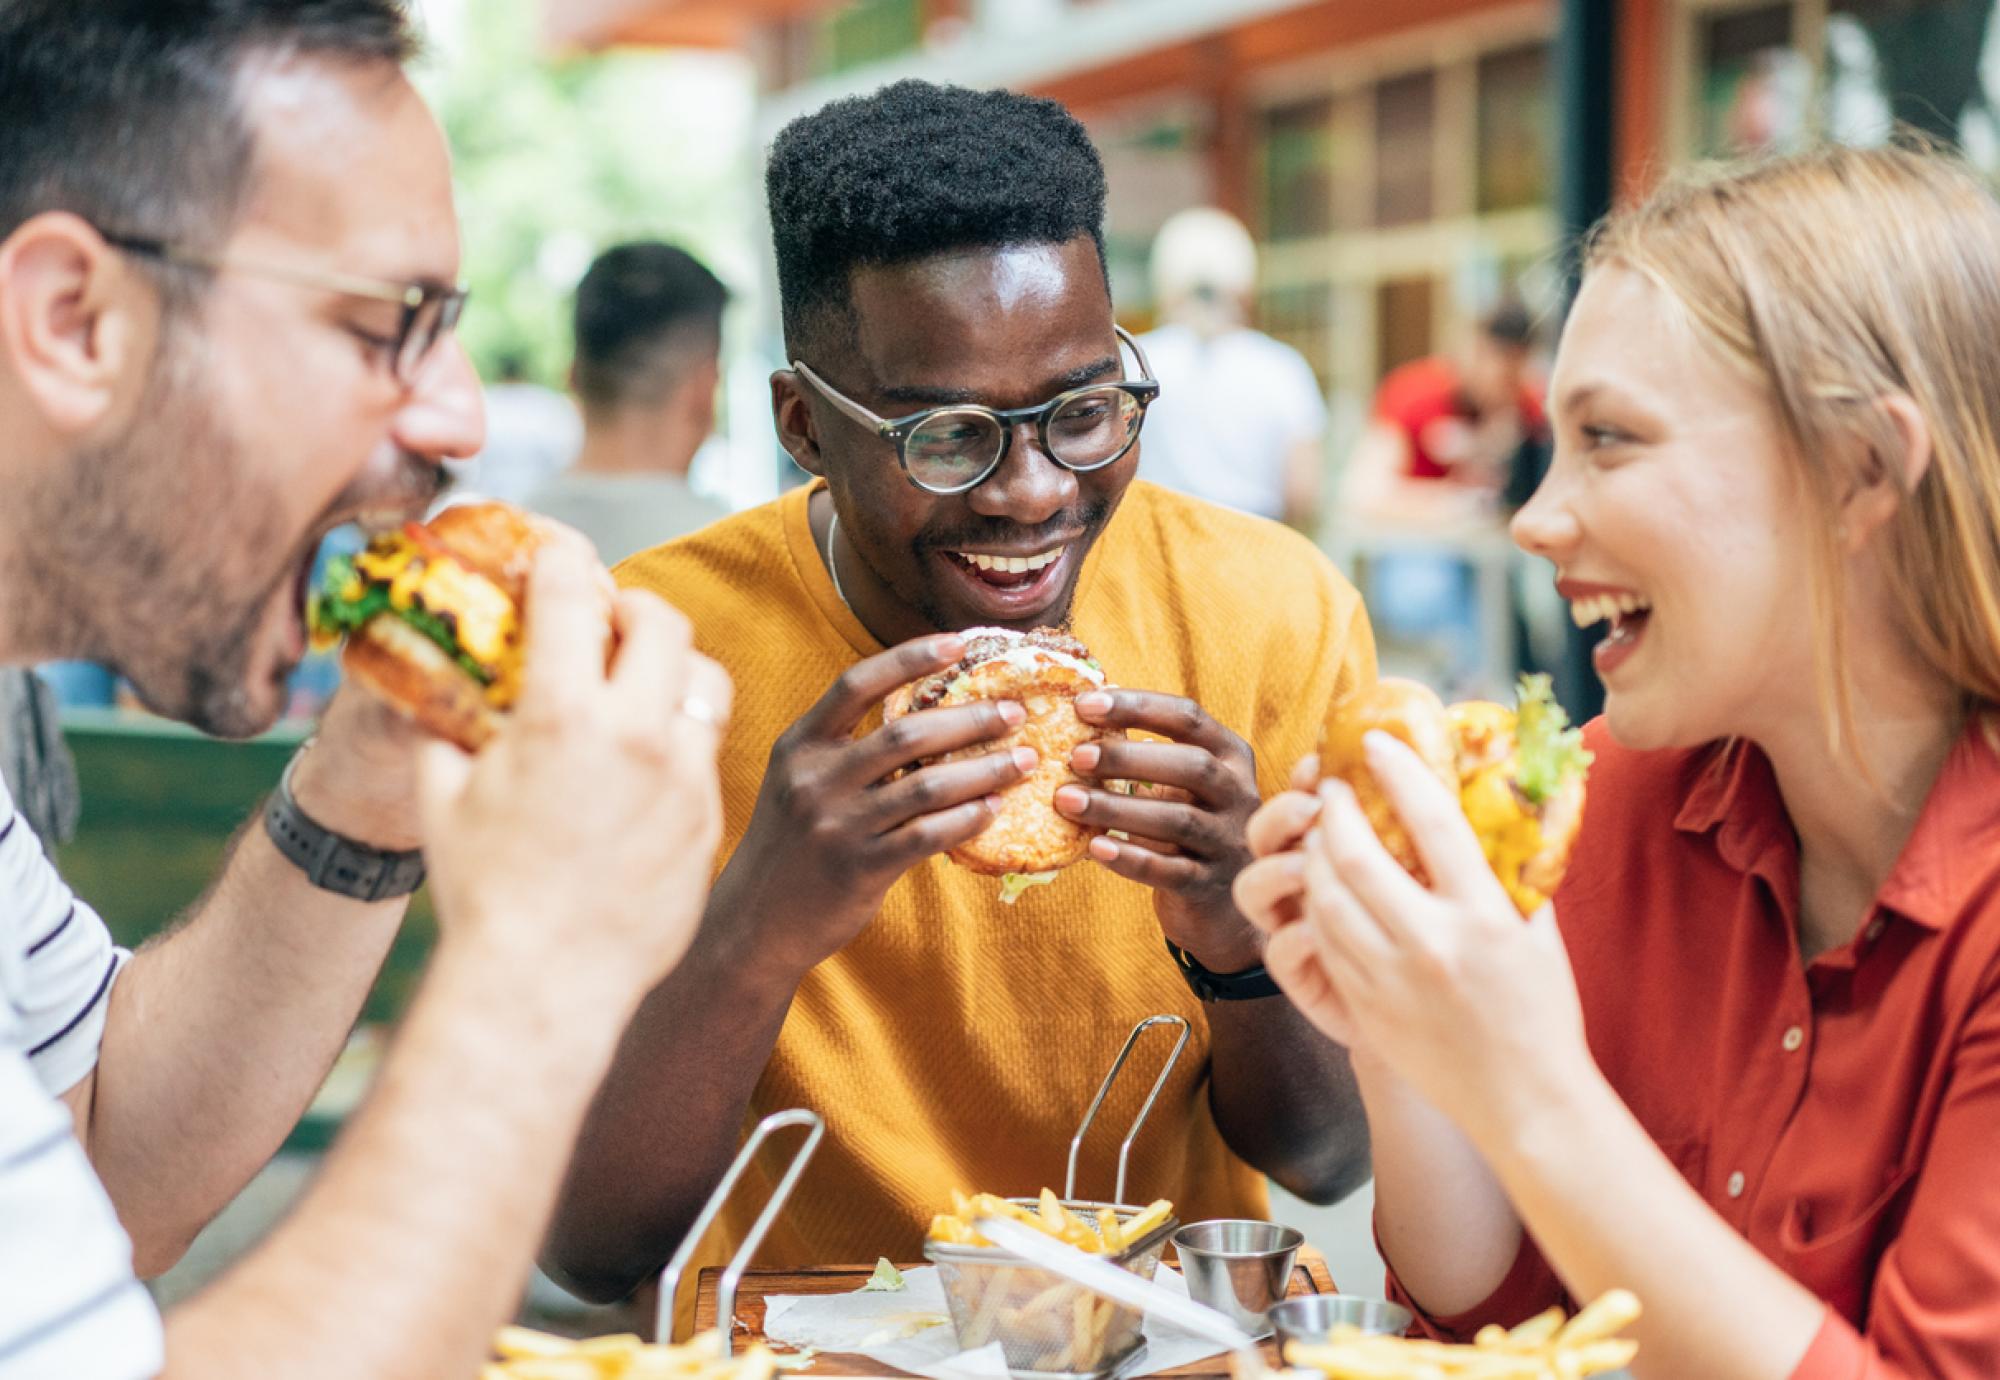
(1240, 420)
(648, 361)
(1452, 442)
(532, 433)
(35, 764)
(1446, 430)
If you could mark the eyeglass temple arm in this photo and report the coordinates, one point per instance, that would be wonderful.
(847, 405)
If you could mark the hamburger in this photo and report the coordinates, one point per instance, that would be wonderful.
(1043, 670)
(1517, 773)
(431, 616)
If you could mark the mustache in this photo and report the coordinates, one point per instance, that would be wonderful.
(1069, 523)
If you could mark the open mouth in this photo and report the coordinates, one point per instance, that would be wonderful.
(1008, 586)
(1628, 615)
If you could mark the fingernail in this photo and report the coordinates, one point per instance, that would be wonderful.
(1375, 742)
(1012, 714)
(993, 803)
(1072, 800)
(1086, 757)
(1103, 849)
(1096, 702)
(1025, 758)
(948, 648)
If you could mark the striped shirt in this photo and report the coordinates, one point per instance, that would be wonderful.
(70, 1306)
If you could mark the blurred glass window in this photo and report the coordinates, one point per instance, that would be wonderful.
(1516, 121)
(1405, 149)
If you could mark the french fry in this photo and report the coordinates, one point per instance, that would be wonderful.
(528, 1355)
(1154, 1214)
(1105, 1236)
(1542, 1348)
(512, 1342)
(1536, 1330)
(1612, 1311)
(1109, 1231)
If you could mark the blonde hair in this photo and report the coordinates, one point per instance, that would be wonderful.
(1838, 278)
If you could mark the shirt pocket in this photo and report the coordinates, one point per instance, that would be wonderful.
(1837, 1261)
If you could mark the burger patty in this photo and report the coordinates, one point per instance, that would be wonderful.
(990, 645)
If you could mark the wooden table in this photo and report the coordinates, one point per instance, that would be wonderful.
(1309, 1276)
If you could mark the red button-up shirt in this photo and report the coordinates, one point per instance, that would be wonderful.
(1843, 1114)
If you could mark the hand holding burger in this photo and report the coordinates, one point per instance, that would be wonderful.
(1518, 775)
(432, 616)
(1044, 671)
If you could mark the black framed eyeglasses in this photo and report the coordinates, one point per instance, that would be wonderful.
(947, 450)
(430, 311)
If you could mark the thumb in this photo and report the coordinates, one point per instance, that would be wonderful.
(443, 770)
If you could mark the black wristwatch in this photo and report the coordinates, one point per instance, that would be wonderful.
(333, 862)
(1249, 985)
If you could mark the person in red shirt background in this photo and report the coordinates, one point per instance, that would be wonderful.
(1459, 420)
(1748, 1063)
(1447, 436)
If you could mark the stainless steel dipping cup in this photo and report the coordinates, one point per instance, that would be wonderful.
(1310, 1318)
(1240, 1269)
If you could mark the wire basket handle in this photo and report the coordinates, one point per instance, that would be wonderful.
(725, 1299)
(1104, 1088)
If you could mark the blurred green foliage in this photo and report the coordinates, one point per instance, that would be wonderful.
(559, 157)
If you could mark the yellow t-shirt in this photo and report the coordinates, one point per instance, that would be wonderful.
(957, 1041)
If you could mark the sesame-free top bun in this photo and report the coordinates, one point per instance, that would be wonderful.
(1403, 709)
(1044, 672)
(415, 675)
(497, 540)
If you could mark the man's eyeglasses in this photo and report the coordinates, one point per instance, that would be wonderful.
(429, 311)
(947, 450)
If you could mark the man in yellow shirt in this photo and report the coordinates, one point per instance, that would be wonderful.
(940, 248)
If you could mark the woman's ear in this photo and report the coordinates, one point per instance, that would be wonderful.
(792, 414)
(1887, 477)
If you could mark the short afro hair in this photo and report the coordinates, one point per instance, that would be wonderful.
(915, 170)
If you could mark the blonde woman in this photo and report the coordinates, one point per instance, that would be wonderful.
(1748, 1064)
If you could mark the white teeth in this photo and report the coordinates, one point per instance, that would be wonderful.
(1595, 608)
(1012, 565)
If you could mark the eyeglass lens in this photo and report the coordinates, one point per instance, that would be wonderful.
(954, 448)
(427, 323)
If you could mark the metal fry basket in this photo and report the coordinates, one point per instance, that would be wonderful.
(732, 1277)
(1049, 1328)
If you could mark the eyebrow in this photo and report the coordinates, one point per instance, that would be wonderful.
(1579, 396)
(918, 396)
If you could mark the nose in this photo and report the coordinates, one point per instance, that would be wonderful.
(444, 417)
(1547, 524)
(1029, 488)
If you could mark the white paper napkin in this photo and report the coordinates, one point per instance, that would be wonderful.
(911, 1330)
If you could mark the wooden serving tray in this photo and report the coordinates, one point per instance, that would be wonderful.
(1309, 1276)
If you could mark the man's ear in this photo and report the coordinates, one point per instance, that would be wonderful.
(791, 413)
(70, 327)
(1887, 478)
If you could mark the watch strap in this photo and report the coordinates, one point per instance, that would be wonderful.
(334, 862)
(1252, 984)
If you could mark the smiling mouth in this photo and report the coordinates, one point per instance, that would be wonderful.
(1628, 615)
(1007, 572)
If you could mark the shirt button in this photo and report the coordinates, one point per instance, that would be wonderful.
(1793, 1039)
(1736, 1184)
(1874, 930)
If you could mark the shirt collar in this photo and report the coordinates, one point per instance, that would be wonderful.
(1951, 852)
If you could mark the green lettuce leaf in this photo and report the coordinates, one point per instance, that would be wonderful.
(1550, 752)
(887, 1279)
(1013, 884)
(329, 610)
